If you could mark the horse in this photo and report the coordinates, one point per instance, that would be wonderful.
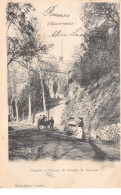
(41, 122)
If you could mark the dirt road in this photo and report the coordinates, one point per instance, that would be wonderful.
(28, 143)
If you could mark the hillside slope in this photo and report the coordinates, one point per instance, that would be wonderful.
(98, 104)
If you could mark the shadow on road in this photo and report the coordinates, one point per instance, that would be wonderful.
(33, 144)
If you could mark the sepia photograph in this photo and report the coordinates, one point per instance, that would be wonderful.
(60, 94)
(63, 98)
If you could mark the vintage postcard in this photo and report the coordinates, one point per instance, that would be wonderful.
(60, 94)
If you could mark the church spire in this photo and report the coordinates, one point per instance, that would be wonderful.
(61, 57)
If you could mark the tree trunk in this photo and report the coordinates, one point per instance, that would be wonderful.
(10, 100)
(16, 107)
(16, 102)
(33, 117)
(12, 111)
(29, 98)
(43, 92)
(23, 115)
(43, 96)
(54, 95)
(48, 114)
(22, 111)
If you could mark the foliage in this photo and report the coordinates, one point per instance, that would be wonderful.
(96, 14)
(22, 33)
(101, 41)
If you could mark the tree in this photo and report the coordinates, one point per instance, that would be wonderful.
(22, 38)
(21, 31)
(101, 43)
(17, 78)
(96, 14)
(36, 95)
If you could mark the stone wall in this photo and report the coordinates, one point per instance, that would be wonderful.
(98, 104)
